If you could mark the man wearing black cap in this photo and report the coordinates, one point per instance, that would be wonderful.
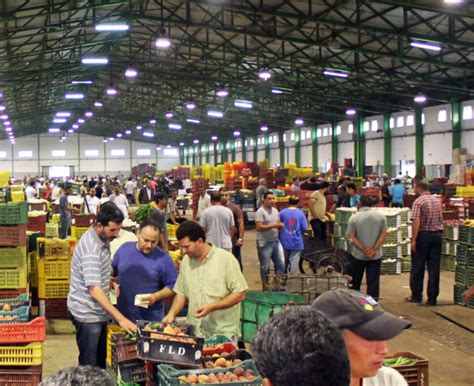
(365, 327)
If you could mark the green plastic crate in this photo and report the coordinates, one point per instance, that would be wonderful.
(451, 233)
(344, 214)
(463, 275)
(458, 291)
(406, 264)
(391, 268)
(12, 257)
(448, 262)
(465, 255)
(13, 278)
(258, 307)
(14, 213)
(466, 234)
(340, 230)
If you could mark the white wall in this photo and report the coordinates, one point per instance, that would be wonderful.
(403, 148)
(75, 146)
(374, 152)
(307, 156)
(345, 150)
(437, 149)
(324, 154)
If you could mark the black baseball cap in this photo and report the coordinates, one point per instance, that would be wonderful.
(360, 313)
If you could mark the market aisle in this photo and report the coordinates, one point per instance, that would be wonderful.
(449, 348)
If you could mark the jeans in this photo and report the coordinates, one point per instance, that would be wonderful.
(397, 204)
(428, 253)
(292, 259)
(64, 230)
(130, 198)
(319, 229)
(91, 340)
(372, 269)
(270, 250)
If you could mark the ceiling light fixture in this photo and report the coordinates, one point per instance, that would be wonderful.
(119, 135)
(131, 73)
(264, 75)
(8, 129)
(75, 126)
(336, 73)
(299, 121)
(222, 93)
(80, 120)
(63, 114)
(111, 91)
(152, 121)
(243, 104)
(74, 96)
(426, 45)
(92, 60)
(158, 148)
(168, 146)
(4, 116)
(104, 140)
(89, 114)
(214, 138)
(181, 144)
(98, 104)
(276, 91)
(193, 120)
(190, 105)
(351, 112)
(3, 108)
(169, 115)
(109, 27)
(70, 131)
(148, 134)
(163, 43)
(59, 120)
(139, 127)
(215, 114)
(7, 123)
(453, 1)
(111, 138)
(81, 82)
(174, 126)
(236, 133)
(128, 132)
(264, 128)
(420, 98)
(196, 141)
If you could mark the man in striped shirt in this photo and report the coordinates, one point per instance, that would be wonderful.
(88, 299)
(427, 226)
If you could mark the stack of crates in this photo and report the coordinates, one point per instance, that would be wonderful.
(13, 266)
(450, 245)
(21, 347)
(81, 224)
(53, 266)
(17, 193)
(343, 216)
(464, 271)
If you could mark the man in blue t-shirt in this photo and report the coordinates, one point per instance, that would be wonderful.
(143, 268)
(291, 236)
(353, 196)
(398, 193)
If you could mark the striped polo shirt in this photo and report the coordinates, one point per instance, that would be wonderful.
(91, 266)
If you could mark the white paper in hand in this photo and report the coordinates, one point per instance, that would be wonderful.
(140, 300)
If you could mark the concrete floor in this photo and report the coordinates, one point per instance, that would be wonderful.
(448, 347)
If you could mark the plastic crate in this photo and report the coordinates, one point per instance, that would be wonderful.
(12, 257)
(17, 301)
(53, 269)
(13, 278)
(416, 374)
(393, 236)
(20, 314)
(52, 229)
(34, 331)
(83, 220)
(17, 188)
(340, 230)
(465, 255)
(131, 373)
(14, 213)
(123, 350)
(406, 264)
(209, 360)
(37, 224)
(451, 232)
(77, 232)
(53, 289)
(344, 214)
(17, 196)
(448, 262)
(258, 307)
(169, 376)
(13, 236)
(392, 251)
(17, 355)
(42, 206)
(171, 231)
(218, 344)
(458, 299)
(32, 269)
(53, 308)
(111, 330)
(20, 376)
(13, 293)
(55, 248)
(466, 234)
(391, 267)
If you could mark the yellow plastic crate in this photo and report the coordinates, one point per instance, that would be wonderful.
(28, 355)
(52, 229)
(77, 232)
(33, 269)
(18, 196)
(12, 257)
(17, 188)
(55, 249)
(53, 269)
(13, 278)
(55, 218)
(171, 230)
(111, 330)
(53, 289)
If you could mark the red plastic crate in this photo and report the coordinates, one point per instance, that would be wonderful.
(34, 331)
(20, 376)
(12, 293)
(37, 224)
(84, 220)
(13, 236)
(53, 308)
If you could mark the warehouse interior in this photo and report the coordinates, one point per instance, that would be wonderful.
(223, 94)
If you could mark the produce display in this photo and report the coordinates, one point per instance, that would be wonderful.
(36, 213)
(128, 223)
(143, 213)
(399, 361)
(238, 374)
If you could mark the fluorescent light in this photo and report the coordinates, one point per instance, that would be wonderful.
(420, 98)
(152, 121)
(70, 131)
(80, 120)
(214, 137)
(148, 134)
(131, 73)
(426, 45)
(264, 128)
(7, 123)
(180, 144)
(336, 73)
(111, 138)
(190, 105)
(89, 114)
(158, 148)
(299, 121)
(111, 91)
(264, 75)
(59, 120)
(74, 96)
(2, 108)
(63, 114)
(351, 112)
(94, 60)
(276, 91)
(236, 133)
(119, 135)
(104, 140)
(1, 94)
(174, 126)
(8, 129)
(243, 104)
(163, 43)
(128, 132)
(4, 116)
(453, 1)
(98, 104)
(139, 127)
(75, 126)
(222, 93)
(215, 114)
(81, 82)
(192, 120)
(111, 27)
(196, 141)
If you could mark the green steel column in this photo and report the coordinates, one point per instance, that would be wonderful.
(314, 142)
(224, 151)
(456, 119)
(359, 145)
(418, 142)
(181, 155)
(232, 150)
(334, 142)
(298, 147)
(244, 149)
(281, 143)
(215, 153)
(387, 145)
(267, 147)
(255, 149)
(208, 154)
(199, 154)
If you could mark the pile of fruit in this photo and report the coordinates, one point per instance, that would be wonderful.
(237, 375)
(221, 361)
(165, 328)
(36, 213)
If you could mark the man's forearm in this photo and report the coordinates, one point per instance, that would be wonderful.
(380, 241)
(99, 296)
(357, 243)
(229, 301)
(163, 294)
(415, 228)
(241, 228)
(264, 227)
(178, 304)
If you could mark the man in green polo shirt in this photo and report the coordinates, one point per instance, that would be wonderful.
(211, 281)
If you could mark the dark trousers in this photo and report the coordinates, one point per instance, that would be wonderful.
(372, 274)
(91, 340)
(237, 252)
(131, 198)
(428, 253)
(64, 229)
(397, 205)
(319, 229)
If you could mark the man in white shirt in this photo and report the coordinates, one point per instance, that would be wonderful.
(30, 192)
(218, 223)
(365, 327)
(203, 203)
(56, 192)
(130, 187)
(91, 202)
